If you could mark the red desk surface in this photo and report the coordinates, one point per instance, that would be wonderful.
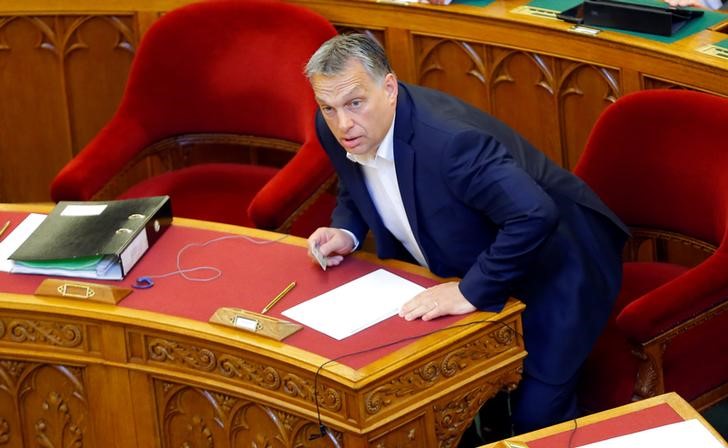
(252, 274)
(659, 415)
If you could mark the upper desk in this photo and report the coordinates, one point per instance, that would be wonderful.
(65, 64)
(152, 372)
(631, 418)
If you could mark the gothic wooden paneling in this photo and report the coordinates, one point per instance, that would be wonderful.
(650, 82)
(459, 68)
(524, 96)
(49, 403)
(517, 87)
(196, 417)
(97, 54)
(584, 91)
(34, 118)
(61, 77)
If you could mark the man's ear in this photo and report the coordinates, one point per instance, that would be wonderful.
(391, 87)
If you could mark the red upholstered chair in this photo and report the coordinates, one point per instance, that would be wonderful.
(217, 114)
(659, 159)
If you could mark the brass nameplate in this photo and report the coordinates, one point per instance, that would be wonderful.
(90, 292)
(714, 50)
(535, 12)
(261, 324)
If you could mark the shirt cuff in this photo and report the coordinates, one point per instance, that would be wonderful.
(712, 4)
(353, 238)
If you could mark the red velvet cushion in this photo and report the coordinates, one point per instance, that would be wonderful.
(310, 218)
(213, 192)
(693, 363)
(661, 170)
(639, 278)
(655, 169)
(223, 66)
(610, 371)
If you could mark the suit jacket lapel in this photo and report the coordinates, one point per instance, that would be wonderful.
(404, 159)
(359, 192)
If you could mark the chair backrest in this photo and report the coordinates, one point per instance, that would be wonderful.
(659, 159)
(226, 66)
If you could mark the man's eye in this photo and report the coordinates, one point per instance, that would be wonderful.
(356, 103)
(326, 109)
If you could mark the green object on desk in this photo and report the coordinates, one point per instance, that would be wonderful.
(554, 5)
(722, 44)
(472, 2)
(696, 25)
(72, 264)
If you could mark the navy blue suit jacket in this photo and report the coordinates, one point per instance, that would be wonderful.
(486, 206)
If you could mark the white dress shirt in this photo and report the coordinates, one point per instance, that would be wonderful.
(381, 180)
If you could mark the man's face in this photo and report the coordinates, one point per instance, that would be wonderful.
(357, 109)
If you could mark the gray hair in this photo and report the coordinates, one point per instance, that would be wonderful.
(333, 56)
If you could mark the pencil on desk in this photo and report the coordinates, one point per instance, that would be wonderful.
(4, 227)
(278, 297)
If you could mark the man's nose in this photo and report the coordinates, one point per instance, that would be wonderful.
(344, 120)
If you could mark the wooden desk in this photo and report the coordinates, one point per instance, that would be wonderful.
(112, 376)
(638, 416)
(65, 66)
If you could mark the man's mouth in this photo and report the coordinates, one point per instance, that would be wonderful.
(350, 142)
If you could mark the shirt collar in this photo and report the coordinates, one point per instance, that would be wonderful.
(385, 150)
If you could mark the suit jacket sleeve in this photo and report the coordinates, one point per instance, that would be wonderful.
(483, 175)
(346, 214)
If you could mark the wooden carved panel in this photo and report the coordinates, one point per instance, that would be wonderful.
(552, 102)
(435, 372)
(650, 82)
(456, 67)
(524, 96)
(97, 55)
(455, 414)
(42, 405)
(277, 380)
(42, 332)
(377, 35)
(66, 75)
(191, 417)
(410, 434)
(585, 90)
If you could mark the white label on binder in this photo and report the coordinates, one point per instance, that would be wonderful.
(134, 251)
(83, 210)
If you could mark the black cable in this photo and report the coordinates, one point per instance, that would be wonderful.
(573, 432)
(322, 427)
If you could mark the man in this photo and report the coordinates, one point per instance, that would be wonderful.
(445, 185)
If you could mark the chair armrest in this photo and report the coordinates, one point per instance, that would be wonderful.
(677, 301)
(295, 183)
(100, 160)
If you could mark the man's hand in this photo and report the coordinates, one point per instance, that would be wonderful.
(332, 243)
(685, 3)
(440, 300)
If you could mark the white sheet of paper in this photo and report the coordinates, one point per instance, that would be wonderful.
(356, 305)
(690, 433)
(16, 238)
